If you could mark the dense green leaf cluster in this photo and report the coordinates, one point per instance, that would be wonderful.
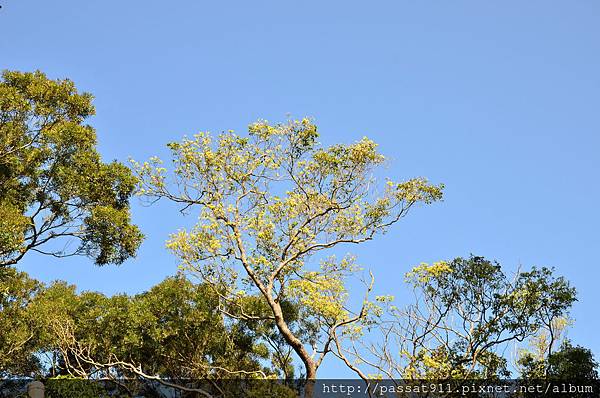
(467, 314)
(174, 331)
(568, 362)
(53, 183)
(18, 334)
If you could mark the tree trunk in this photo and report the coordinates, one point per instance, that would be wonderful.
(309, 364)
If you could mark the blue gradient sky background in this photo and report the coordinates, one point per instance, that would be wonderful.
(498, 100)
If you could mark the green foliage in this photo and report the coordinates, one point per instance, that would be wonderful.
(266, 204)
(18, 335)
(567, 363)
(69, 387)
(174, 331)
(53, 183)
(519, 307)
(571, 362)
(466, 314)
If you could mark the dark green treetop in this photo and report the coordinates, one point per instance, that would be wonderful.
(54, 187)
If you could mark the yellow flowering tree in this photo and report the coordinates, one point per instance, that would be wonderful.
(267, 203)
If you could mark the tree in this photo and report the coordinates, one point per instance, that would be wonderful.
(172, 335)
(172, 332)
(266, 204)
(53, 185)
(466, 314)
(572, 366)
(18, 338)
(572, 362)
(567, 363)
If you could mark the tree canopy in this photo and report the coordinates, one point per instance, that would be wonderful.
(266, 204)
(467, 313)
(54, 187)
(261, 294)
(172, 334)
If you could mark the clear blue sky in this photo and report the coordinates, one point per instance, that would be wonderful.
(499, 100)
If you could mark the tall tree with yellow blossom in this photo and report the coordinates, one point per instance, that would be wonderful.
(267, 204)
